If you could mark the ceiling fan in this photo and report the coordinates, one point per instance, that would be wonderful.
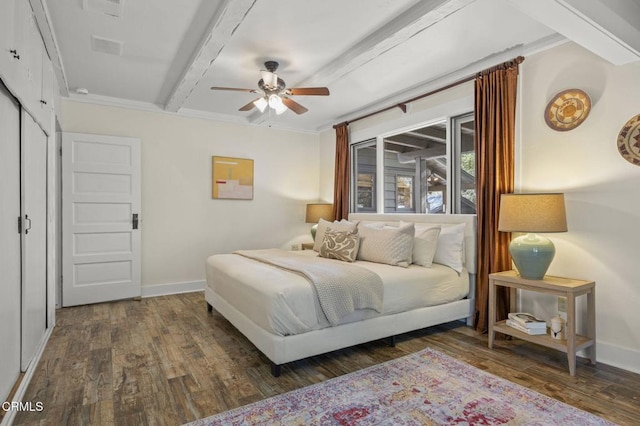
(275, 94)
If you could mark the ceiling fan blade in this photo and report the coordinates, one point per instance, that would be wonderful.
(294, 106)
(248, 106)
(235, 89)
(313, 91)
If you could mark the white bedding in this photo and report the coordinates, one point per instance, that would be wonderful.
(283, 303)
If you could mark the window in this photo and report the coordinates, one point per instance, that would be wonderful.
(465, 163)
(404, 193)
(435, 185)
(366, 191)
(363, 160)
(419, 156)
(428, 169)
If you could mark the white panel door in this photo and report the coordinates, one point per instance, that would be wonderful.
(34, 237)
(9, 241)
(100, 213)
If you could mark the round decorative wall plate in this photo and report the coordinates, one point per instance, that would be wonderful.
(629, 141)
(567, 110)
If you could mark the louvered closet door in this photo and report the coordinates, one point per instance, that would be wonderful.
(100, 213)
(34, 237)
(9, 241)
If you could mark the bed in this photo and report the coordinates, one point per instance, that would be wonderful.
(279, 310)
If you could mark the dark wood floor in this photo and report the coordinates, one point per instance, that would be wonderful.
(167, 361)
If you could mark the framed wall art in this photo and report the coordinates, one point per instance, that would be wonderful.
(232, 178)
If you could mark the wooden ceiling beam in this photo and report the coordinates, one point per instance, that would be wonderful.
(405, 26)
(610, 29)
(397, 31)
(224, 23)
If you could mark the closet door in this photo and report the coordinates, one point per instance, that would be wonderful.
(34, 237)
(9, 241)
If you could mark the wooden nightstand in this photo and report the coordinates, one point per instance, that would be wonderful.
(307, 246)
(567, 287)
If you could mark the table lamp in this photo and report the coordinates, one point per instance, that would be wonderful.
(318, 211)
(532, 213)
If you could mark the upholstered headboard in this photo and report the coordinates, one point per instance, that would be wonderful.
(470, 233)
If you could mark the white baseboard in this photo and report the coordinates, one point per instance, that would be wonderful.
(172, 288)
(618, 356)
(26, 379)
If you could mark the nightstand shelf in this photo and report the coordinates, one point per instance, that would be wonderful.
(582, 342)
(558, 286)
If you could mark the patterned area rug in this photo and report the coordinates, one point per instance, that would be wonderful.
(424, 388)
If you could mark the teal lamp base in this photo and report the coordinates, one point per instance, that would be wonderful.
(314, 229)
(532, 255)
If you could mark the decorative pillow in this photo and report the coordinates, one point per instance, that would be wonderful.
(344, 225)
(449, 251)
(341, 245)
(425, 245)
(374, 224)
(390, 245)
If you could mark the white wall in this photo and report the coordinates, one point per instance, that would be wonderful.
(602, 190)
(181, 224)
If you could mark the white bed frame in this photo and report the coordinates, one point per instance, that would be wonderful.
(283, 349)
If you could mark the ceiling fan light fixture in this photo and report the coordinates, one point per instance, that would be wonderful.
(270, 79)
(274, 100)
(274, 92)
(261, 104)
(280, 108)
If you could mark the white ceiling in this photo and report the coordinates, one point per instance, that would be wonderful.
(369, 53)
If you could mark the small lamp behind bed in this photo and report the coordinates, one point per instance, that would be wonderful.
(318, 211)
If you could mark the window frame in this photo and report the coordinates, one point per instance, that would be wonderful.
(441, 108)
(353, 178)
(381, 196)
(452, 194)
(456, 159)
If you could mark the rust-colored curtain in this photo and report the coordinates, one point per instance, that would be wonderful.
(341, 173)
(495, 113)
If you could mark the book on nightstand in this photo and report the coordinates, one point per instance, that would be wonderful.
(533, 331)
(527, 320)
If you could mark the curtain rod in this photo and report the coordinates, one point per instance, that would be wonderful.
(403, 105)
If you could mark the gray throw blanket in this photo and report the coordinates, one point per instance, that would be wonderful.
(341, 287)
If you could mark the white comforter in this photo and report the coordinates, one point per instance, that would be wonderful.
(341, 287)
(284, 303)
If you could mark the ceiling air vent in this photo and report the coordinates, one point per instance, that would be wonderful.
(108, 7)
(104, 45)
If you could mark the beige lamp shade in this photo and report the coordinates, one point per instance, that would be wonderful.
(315, 212)
(532, 213)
